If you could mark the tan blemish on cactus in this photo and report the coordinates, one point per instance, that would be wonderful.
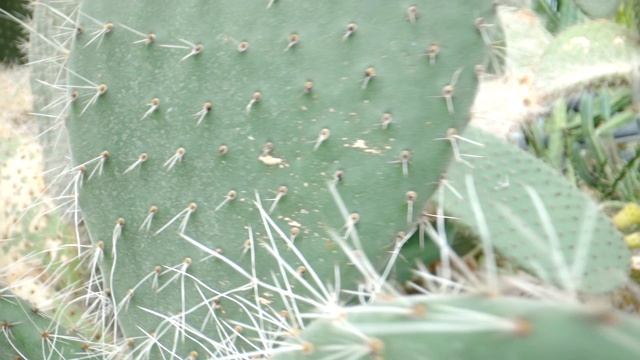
(578, 43)
(264, 302)
(243, 46)
(302, 270)
(222, 150)
(272, 161)
(361, 144)
(193, 355)
(292, 222)
(618, 41)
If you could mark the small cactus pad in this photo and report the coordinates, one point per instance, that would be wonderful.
(183, 116)
(535, 217)
(591, 54)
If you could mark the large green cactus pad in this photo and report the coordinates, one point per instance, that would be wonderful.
(535, 217)
(142, 94)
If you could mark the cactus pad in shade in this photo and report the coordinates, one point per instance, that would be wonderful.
(535, 217)
(182, 116)
(467, 327)
(12, 35)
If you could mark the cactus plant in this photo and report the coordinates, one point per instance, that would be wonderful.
(260, 100)
(211, 143)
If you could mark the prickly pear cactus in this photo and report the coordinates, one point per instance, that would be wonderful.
(532, 216)
(211, 143)
(467, 327)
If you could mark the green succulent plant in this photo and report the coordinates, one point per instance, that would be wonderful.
(251, 174)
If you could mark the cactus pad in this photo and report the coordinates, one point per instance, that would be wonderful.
(182, 117)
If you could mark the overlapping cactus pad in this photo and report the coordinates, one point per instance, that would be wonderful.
(534, 217)
(184, 115)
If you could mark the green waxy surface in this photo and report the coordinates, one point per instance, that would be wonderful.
(405, 84)
(565, 239)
